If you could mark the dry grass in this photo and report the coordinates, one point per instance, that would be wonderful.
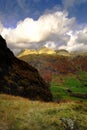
(21, 114)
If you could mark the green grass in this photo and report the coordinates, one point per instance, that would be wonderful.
(75, 83)
(72, 82)
(21, 114)
(60, 93)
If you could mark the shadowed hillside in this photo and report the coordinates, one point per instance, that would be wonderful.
(19, 78)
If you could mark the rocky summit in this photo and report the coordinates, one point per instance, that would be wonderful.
(19, 78)
(43, 50)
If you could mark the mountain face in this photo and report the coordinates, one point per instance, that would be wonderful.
(42, 50)
(19, 78)
(50, 65)
(27, 52)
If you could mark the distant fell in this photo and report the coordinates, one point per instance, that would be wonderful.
(49, 51)
(62, 52)
(27, 52)
(42, 50)
(45, 50)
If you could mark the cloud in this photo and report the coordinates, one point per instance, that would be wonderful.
(1, 27)
(54, 30)
(82, 36)
(75, 47)
(47, 26)
(77, 41)
(70, 3)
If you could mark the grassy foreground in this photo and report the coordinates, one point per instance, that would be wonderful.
(21, 114)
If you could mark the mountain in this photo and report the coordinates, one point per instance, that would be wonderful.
(42, 50)
(62, 52)
(50, 65)
(45, 50)
(27, 52)
(19, 78)
(79, 53)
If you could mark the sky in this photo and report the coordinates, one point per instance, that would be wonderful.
(57, 24)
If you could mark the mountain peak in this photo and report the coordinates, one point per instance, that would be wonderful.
(42, 50)
(27, 52)
(62, 52)
(46, 50)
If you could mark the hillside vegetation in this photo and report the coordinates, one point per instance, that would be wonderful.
(21, 114)
(67, 75)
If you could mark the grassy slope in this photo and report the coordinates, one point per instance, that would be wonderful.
(21, 114)
(77, 84)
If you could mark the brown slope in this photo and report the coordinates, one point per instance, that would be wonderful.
(19, 78)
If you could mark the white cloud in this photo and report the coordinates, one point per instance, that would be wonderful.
(49, 27)
(50, 44)
(77, 42)
(54, 30)
(28, 31)
(82, 36)
(74, 47)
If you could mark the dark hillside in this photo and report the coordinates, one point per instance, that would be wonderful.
(19, 78)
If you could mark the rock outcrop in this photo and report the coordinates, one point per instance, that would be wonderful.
(46, 50)
(42, 50)
(19, 78)
(27, 52)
